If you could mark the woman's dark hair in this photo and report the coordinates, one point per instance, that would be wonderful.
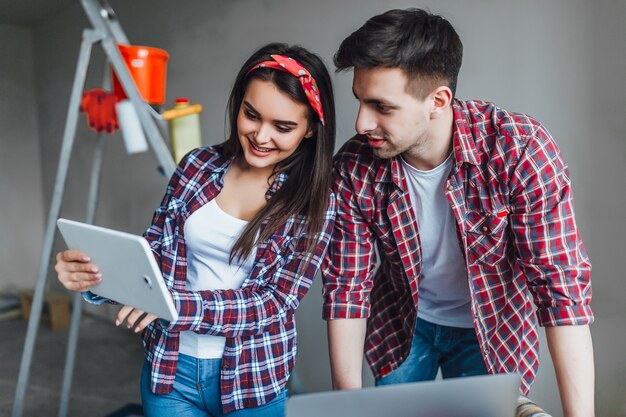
(305, 192)
(424, 45)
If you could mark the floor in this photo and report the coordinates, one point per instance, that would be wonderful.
(106, 376)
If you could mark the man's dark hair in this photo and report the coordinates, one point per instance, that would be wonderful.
(424, 45)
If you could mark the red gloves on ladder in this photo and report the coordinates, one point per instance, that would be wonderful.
(100, 108)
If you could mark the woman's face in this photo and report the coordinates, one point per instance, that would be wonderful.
(270, 125)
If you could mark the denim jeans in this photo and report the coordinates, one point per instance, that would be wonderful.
(454, 349)
(197, 393)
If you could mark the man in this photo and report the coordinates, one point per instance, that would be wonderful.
(469, 210)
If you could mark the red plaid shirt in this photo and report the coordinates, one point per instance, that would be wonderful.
(256, 319)
(511, 196)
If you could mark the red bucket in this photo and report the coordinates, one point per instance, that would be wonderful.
(148, 68)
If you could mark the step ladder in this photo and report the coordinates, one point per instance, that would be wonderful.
(107, 32)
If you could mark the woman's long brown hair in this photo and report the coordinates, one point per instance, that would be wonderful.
(305, 192)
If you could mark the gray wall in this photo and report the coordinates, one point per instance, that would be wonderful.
(561, 61)
(21, 210)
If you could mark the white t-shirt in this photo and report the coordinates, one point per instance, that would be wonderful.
(444, 297)
(210, 234)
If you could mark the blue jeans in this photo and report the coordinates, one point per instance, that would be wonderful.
(197, 393)
(454, 349)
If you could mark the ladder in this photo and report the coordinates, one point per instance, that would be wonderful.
(107, 32)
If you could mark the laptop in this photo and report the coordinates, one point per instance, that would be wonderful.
(130, 274)
(476, 396)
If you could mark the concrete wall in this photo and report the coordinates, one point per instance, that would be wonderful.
(604, 197)
(561, 61)
(21, 209)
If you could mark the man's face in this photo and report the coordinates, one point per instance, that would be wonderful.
(394, 120)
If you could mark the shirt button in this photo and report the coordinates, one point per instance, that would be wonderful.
(485, 229)
(225, 367)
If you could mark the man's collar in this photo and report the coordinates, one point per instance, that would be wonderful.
(462, 138)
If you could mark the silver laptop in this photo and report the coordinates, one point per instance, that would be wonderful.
(477, 396)
(130, 274)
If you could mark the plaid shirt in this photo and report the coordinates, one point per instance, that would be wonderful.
(510, 193)
(256, 319)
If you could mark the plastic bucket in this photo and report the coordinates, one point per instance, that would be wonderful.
(148, 68)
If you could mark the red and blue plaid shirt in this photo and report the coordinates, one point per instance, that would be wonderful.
(510, 193)
(256, 319)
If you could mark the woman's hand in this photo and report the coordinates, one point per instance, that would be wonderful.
(134, 318)
(75, 271)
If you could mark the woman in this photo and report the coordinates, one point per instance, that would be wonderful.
(239, 237)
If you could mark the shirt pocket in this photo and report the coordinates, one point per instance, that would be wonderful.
(274, 254)
(486, 238)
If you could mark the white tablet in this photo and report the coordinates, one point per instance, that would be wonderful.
(130, 274)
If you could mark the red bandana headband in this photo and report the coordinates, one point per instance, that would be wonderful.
(290, 65)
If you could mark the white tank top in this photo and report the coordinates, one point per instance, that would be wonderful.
(210, 234)
(444, 297)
